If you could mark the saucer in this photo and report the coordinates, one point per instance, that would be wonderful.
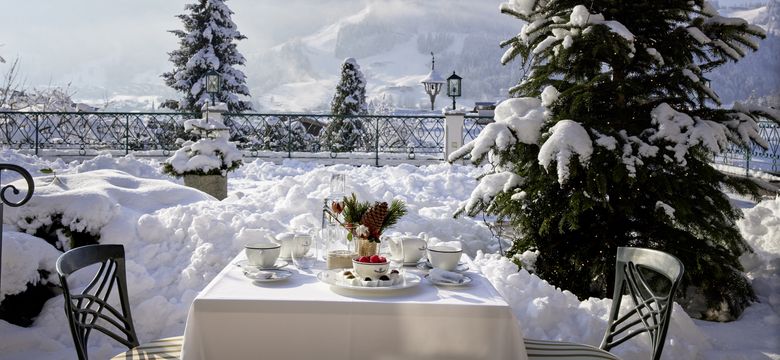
(463, 282)
(244, 264)
(425, 265)
(267, 275)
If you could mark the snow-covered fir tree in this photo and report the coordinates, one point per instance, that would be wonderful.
(207, 42)
(608, 143)
(347, 133)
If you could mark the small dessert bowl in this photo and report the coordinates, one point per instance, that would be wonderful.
(370, 270)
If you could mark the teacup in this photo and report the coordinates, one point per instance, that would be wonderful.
(262, 254)
(444, 257)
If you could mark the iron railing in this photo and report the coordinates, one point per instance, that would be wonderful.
(305, 135)
(756, 157)
(259, 135)
(473, 125)
(366, 137)
(78, 132)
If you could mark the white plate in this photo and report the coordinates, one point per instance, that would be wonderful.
(330, 277)
(465, 281)
(245, 264)
(267, 275)
(424, 265)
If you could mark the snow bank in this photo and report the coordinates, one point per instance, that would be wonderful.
(93, 200)
(174, 248)
(546, 312)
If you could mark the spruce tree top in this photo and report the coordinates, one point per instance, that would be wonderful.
(207, 42)
(350, 97)
(622, 75)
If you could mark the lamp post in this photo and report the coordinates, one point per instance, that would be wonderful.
(213, 84)
(433, 82)
(453, 87)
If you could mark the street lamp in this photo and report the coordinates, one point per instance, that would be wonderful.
(213, 84)
(433, 82)
(453, 87)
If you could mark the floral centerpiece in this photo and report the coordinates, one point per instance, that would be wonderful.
(365, 222)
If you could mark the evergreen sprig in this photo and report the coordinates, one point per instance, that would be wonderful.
(353, 211)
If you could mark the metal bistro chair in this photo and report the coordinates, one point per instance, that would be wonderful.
(652, 308)
(91, 304)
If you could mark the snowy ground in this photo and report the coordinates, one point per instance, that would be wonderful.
(176, 242)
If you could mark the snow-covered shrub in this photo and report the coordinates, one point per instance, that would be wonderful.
(213, 154)
(29, 277)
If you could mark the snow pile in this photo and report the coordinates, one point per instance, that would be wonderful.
(100, 202)
(175, 244)
(546, 312)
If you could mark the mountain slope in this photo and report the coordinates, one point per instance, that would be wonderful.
(392, 41)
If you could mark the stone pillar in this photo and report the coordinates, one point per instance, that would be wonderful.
(214, 112)
(453, 131)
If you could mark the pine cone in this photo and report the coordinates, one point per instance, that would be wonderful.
(375, 217)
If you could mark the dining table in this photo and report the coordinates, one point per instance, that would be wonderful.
(302, 317)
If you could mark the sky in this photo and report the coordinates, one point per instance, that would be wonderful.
(101, 43)
(116, 43)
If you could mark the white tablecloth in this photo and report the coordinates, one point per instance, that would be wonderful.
(302, 318)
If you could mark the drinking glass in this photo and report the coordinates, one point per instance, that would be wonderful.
(338, 186)
(303, 254)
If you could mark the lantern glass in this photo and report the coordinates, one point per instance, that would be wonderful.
(213, 82)
(453, 87)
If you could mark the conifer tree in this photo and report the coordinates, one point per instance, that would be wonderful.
(609, 140)
(207, 42)
(346, 133)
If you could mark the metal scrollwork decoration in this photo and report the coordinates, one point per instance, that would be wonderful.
(5, 201)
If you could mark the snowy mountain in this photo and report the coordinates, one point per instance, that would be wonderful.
(392, 42)
(758, 74)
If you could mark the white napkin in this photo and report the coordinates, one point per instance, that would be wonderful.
(444, 276)
(259, 274)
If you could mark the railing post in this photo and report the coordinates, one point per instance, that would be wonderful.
(376, 144)
(37, 131)
(453, 131)
(289, 138)
(127, 135)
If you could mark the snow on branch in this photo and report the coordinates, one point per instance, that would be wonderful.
(489, 186)
(567, 138)
(516, 120)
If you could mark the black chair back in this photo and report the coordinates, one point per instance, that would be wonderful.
(90, 305)
(652, 303)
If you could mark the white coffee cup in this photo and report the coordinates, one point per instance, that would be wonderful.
(444, 257)
(262, 254)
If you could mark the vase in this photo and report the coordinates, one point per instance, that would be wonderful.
(363, 247)
(214, 185)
